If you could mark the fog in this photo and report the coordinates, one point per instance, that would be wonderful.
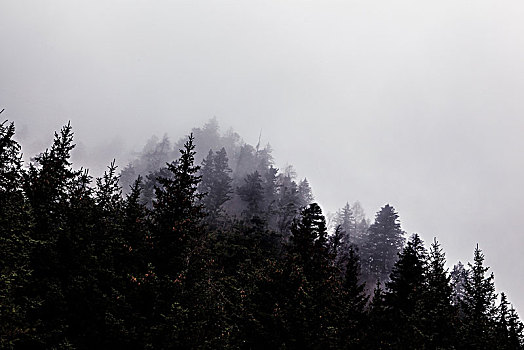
(416, 104)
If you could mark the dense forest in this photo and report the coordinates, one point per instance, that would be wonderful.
(205, 244)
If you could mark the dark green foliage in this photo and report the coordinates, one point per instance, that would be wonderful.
(515, 331)
(165, 266)
(251, 192)
(216, 182)
(478, 306)
(288, 202)
(384, 241)
(305, 195)
(345, 219)
(15, 244)
(353, 318)
(405, 292)
(437, 314)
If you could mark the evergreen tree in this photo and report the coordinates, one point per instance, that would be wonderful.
(305, 194)
(385, 240)
(288, 201)
(361, 224)
(345, 219)
(478, 306)
(406, 290)
(378, 321)
(270, 197)
(436, 310)
(177, 240)
(176, 211)
(515, 331)
(306, 284)
(458, 277)
(15, 243)
(216, 182)
(353, 304)
(47, 185)
(252, 193)
(336, 247)
(501, 327)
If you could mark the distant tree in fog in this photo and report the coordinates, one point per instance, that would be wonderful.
(385, 239)
(216, 181)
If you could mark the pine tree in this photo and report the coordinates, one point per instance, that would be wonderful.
(48, 184)
(515, 331)
(508, 328)
(361, 224)
(385, 240)
(436, 310)
(345, 219)
(336, 247)
(15, 243)
(288, 201)
(305, 194)
(478, 306)
(216, 182)
(176, 211)
(270, 205)
(458, 277)
(353, 304)
(252, 193)
(379, 323)
(501, 326)
(406, 290)
(177, 241)
(307, 266)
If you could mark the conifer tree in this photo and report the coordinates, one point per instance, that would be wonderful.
(353, 304)
(216, 182)
(478, 306)
(252, 193)
(436, 310)
(345, 219)
(515, 331)
(305, 285)
(15, 243)
(379, 322)
(336, 247)
(385, 240)
(288, 201)
(176, 211)
(48, 184)
(405, 291)
(270, 205)
(305, 194)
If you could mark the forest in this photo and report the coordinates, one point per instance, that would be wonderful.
(205, 244)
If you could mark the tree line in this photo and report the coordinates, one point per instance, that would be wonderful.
(207, 256)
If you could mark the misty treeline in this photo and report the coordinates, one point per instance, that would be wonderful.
(221, 252)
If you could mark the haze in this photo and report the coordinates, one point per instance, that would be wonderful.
(413, 103)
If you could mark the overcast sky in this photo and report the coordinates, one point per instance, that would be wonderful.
(414, 103)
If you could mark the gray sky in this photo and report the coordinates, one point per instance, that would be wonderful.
(413, 103)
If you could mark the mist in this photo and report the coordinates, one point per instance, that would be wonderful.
(410, 103)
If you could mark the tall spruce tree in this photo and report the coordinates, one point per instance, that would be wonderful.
(436, 310)
(380, 250)
(353, 304)
(216, 182)
(478, 306)
(405, 291)
(515, 330)
(176, 211)
(252, 193)
(305, 194)
(47, 185)
(15, 243)
(306, 283)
